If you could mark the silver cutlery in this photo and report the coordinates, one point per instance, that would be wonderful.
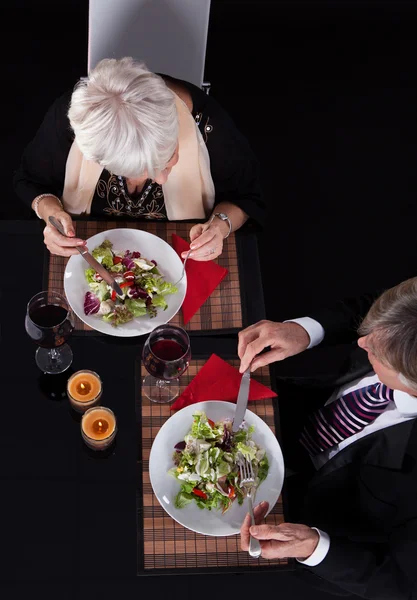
(90, 259)
(242, 400)
(247, 482)
(183, 267)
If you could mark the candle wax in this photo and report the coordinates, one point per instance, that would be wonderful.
(84, 387)
(98, 424)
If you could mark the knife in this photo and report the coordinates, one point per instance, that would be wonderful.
(242, 400)
(90, 259)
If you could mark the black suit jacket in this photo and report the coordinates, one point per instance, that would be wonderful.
(365, 497)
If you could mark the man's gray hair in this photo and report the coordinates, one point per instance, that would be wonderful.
(392, 321)
(124, 118)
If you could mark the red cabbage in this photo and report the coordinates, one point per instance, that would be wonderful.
(128, 263)
(136, 292)
(129, 254)
(91, 304)
(154, 262)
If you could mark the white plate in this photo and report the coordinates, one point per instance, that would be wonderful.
(166, 487)
(151, 247)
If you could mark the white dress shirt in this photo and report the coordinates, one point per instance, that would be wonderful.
(403, 408)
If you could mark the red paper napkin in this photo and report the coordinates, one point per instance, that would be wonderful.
(202, 279)
(217, 380)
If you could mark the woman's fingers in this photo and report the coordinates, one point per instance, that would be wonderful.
(61, 251)
(67, 223)
(52, 236)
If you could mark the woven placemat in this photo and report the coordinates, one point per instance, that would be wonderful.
(162, 542)
(220, 312)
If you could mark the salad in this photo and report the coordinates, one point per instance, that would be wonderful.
(206, 463)
(144, 287)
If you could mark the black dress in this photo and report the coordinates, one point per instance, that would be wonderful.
(234, 168)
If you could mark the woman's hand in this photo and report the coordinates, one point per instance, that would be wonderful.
(284, 339)
(54, 241)
(207, 240)
(278, 541)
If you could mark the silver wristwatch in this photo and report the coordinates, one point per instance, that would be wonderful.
(223, 217)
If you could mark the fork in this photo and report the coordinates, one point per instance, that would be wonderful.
(247, 481)
(183, 267)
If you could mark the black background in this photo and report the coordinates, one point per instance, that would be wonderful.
(326, 93)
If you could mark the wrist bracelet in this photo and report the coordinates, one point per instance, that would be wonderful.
(35, 204)
(222, 217)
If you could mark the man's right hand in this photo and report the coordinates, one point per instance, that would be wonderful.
(54, 241)
(285, 339)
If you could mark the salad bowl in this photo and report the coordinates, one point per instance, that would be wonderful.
(166, 487)
(151, 248)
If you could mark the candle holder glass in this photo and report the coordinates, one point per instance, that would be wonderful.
(77, 386)
(98, 427)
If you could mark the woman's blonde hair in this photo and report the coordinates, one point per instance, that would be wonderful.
(124, 118)
(392, 321)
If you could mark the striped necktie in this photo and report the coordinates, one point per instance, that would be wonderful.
(344, 417)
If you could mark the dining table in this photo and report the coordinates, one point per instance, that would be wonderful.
(71, 513)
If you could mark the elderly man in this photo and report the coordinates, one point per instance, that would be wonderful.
(359, 519)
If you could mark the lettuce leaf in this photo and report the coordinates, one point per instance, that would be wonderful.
(182, 499)
(159, 301)
(103, 254)
(136, 307)
(89, 275)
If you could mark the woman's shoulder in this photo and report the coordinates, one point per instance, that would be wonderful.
(189, 93)
(180, 88)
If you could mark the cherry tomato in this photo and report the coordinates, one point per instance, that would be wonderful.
(211, 423)
(232, 492)
(199, 493)
(117, 260)
(126, 284)
(129, 275)
(113, 295)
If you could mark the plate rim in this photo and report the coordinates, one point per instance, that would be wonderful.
(217, 402)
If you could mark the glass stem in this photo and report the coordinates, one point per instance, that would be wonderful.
(160, 383)
(53, 355)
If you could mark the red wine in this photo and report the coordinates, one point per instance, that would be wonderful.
(166, 349)
(49, 325)
(167, 357)
(49, 315)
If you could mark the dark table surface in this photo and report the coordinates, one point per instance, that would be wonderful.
(67, 516)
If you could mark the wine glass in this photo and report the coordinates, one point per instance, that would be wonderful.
(166, 356)
(49, 323)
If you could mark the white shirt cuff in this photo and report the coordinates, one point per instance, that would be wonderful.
(313, 328)
(320, 552)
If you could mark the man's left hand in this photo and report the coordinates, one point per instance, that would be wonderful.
(286, 540)
(207, 240)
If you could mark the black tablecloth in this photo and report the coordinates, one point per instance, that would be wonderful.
(65, 515)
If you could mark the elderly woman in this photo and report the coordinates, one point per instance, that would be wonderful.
(128, 143)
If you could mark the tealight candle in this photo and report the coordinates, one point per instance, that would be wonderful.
(98, 427)
(84, 390)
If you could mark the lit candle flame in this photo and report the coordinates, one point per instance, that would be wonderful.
(100, 426)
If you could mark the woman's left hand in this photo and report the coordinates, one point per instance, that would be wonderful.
(207, 240)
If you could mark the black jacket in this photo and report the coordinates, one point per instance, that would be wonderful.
(365, 497)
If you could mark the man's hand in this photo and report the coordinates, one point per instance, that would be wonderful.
(285, 339)
(286, 540)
